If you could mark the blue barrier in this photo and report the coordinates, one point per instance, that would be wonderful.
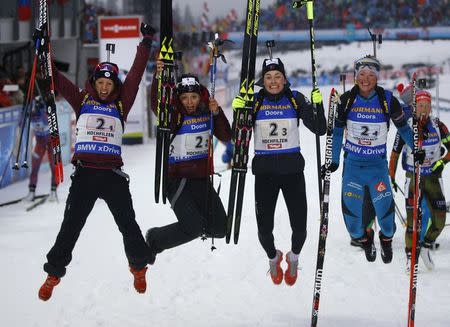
(349, 34)
(10, 119)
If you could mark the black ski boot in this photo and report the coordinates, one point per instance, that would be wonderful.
(356, 242)
(386, 248)
(368, 246)
(432, 245)
(148, 240)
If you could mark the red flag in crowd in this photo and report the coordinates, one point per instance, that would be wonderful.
(280, 11)
(24, 10)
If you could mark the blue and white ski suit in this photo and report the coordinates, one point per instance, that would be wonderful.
(365, 171)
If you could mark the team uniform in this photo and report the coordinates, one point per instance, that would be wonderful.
(188, 175)
(431, 186)
(98, 161)
(39, 124)
(365, 179)
(278, 162)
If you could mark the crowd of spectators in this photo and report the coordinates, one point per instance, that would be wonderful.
(12, 96)
(330, 14)
(90, 22)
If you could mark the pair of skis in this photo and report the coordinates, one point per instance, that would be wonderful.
(37, 201)
(324, 208)
(243, 121)
(43, 50)
(43, 56)
(37, 197)
(165, 102)
(417, 214)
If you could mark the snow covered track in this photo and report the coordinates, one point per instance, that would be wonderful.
(192, 286)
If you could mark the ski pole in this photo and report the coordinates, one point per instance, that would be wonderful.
(270, 44)
(399, 214)
(417, 218)
(30, 108)
(26, 111)
(214, 55)
(375, 38)
(437, 95)
(110, 49)
(399, 188)
(22, 127)
(177, 57)
(214, 46)
(342, 78)
(310, 15)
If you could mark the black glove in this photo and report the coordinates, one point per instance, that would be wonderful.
(333, 167)
(420, 156)
(394, 185)
(148, 32)
(37, 35)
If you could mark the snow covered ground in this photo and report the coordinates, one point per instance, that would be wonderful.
(192, 286)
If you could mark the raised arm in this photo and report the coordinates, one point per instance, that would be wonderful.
(130, 86)
(72, 93)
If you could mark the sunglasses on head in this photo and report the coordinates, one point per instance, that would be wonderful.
(368, 65)
(188, 82)
(108, 67)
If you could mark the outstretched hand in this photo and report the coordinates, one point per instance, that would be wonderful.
(316, 96)
(336, 98)
(238, 103)
(213, 106)
(394, 185)
(420, 156)
(147, 30)
(159, 67)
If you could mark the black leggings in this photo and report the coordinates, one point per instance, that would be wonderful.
(88, 185)
(188, 200)
(267, 188)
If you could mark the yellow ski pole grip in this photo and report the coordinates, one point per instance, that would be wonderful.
(310, 10)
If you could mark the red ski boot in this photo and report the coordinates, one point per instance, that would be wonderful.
(276, 273)
(139, 279)
(290, 275)
(45, 292)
